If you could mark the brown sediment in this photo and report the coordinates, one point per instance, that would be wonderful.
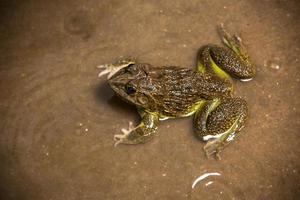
(57, 119)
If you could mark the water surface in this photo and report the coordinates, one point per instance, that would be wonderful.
(58, 119)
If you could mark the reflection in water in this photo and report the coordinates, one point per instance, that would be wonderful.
(204, 176)
(208, 183)
(212, 185)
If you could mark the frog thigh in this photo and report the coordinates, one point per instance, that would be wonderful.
(223, 62)
(233, 60)
(219, 121)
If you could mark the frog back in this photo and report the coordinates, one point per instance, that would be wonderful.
(184, 90)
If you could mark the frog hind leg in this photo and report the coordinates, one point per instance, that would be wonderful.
(221, 61)
(139, 134)
(218, 122)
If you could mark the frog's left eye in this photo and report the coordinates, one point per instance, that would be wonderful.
(129, 89)
(131, 68)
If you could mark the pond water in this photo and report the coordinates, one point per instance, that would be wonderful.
(58, 118)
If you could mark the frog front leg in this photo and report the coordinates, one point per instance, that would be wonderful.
(113, 68)
(219, 121)
(141, 133)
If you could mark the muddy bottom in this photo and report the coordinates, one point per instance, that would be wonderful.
(58, 118)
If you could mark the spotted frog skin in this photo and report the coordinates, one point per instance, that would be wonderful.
(166, 92)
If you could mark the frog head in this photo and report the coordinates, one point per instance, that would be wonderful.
(134, 85)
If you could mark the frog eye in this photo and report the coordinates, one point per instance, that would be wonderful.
(130, 90)
(130, 68)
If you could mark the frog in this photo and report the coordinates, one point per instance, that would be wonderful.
(168, 92)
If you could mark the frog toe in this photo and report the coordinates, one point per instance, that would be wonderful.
(104, 72)
(123, 138)
(119, 138)
(130, 128)
(111, 69)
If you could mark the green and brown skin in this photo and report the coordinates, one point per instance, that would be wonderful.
(161, 93)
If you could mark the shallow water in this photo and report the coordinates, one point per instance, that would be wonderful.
(58, 119)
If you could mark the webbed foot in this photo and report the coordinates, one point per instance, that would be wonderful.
(232, 41)
(235, 43)
(123, 138)
(113, 68)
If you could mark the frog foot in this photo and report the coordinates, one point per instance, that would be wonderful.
(122, 138)
(111, 69)
(213, 147)
(234, 42)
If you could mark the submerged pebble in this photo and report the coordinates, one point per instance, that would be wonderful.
(272, 64)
